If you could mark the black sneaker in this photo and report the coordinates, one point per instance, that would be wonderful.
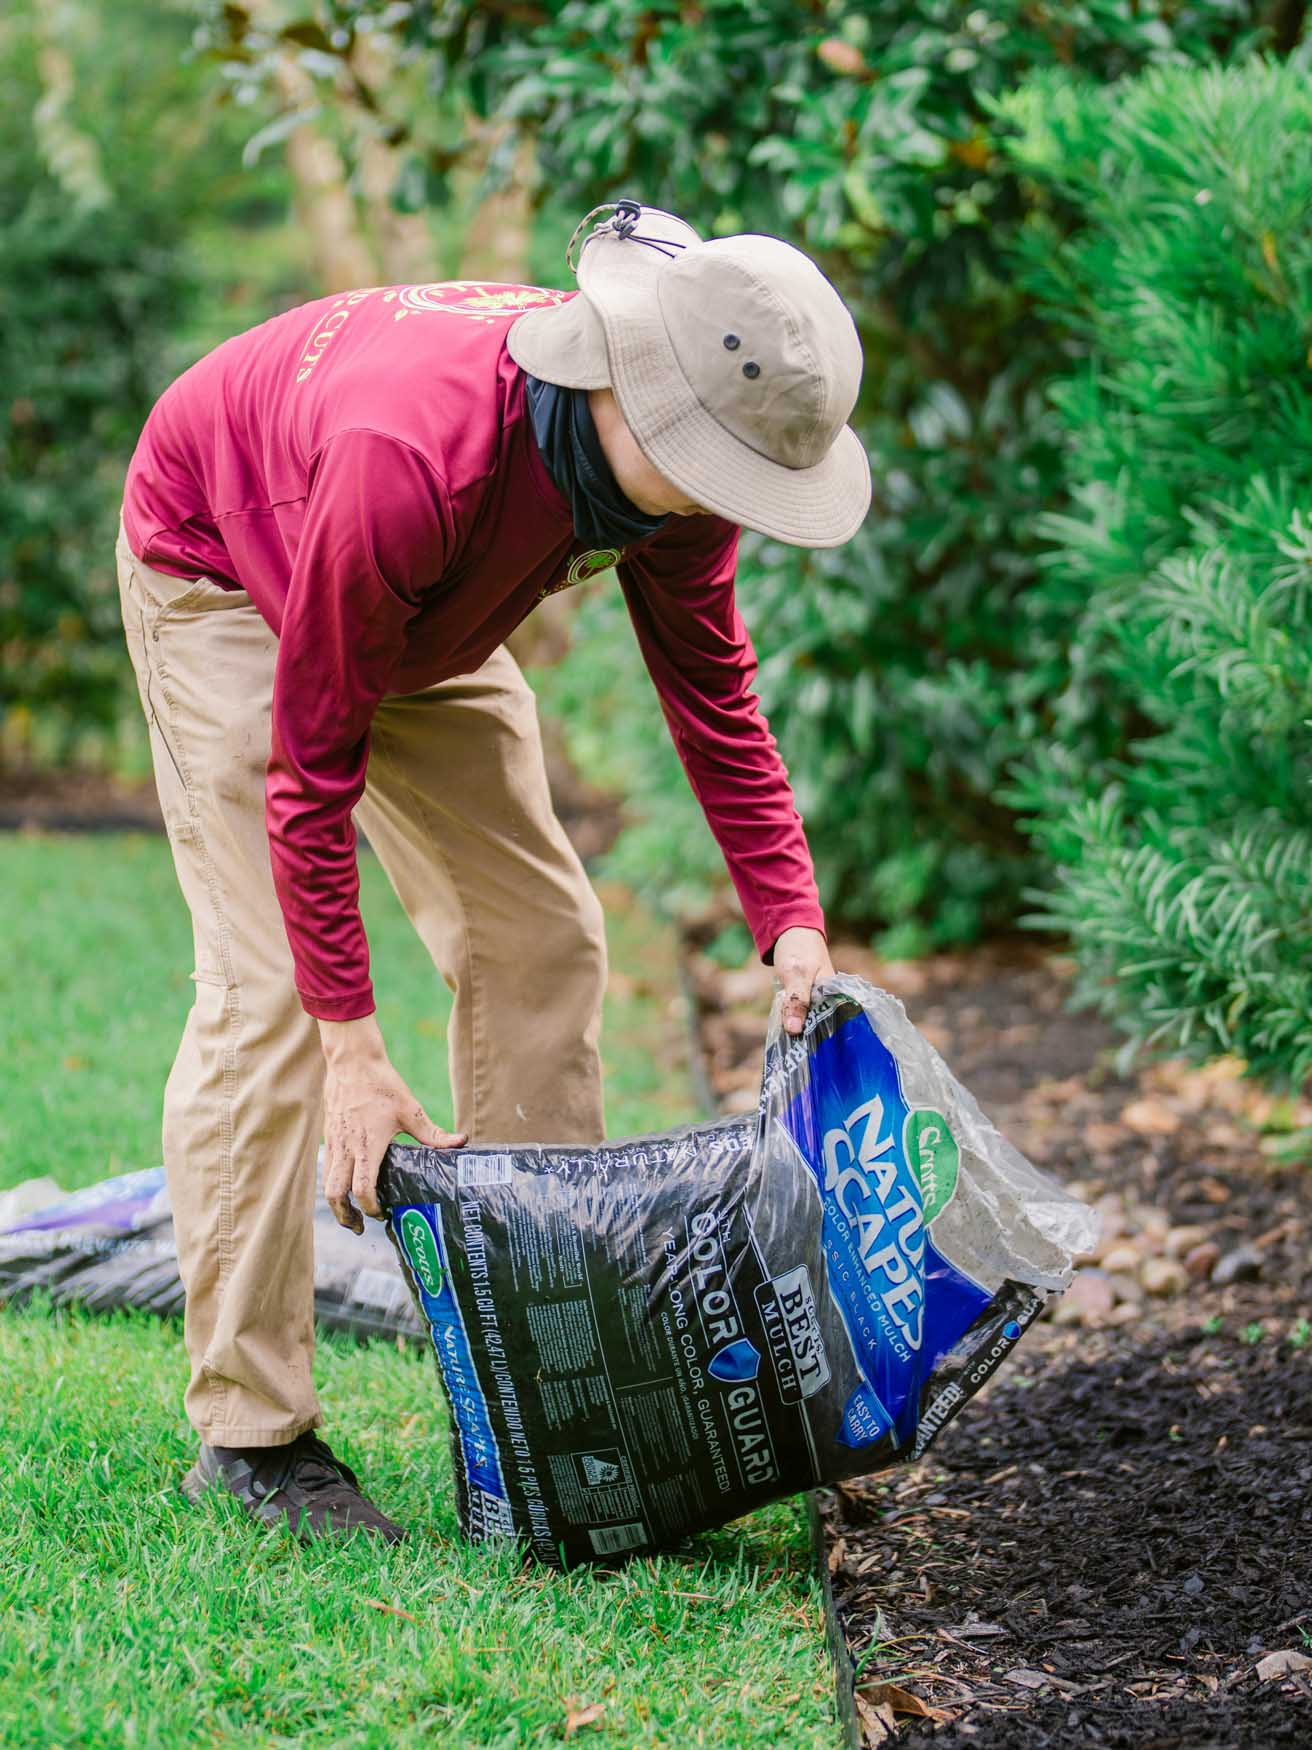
(302, 1483)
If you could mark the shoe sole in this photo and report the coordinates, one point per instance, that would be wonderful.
(194, 1485)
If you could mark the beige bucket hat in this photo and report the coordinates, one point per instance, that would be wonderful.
(734, 361)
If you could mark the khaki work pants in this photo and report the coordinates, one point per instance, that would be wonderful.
(458, 810)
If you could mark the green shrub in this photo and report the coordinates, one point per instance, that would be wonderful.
(118, 171)
(1175, 797)
(87, 284)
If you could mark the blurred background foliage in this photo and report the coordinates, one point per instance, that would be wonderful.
(90, 281)
(1079, 593)
(132, 241)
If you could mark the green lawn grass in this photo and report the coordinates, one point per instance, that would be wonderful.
(94, 989)
(128, 1618)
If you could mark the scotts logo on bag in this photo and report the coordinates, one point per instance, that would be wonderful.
(421, 1249)
(932, 1150)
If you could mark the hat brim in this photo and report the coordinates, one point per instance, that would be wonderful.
(618, 340)
(570, 352)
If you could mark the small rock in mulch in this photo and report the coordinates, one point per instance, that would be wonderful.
(1089, 1299)
(1163, 1276)
(1244, 1264)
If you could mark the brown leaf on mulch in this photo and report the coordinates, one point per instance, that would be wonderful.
(1282, 1663)
(902, 1701)
(878, 1723)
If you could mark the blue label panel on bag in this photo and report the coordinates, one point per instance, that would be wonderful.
(903, 1303)
(420, 1228)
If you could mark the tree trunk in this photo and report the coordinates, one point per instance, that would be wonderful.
(324, 205)
(403, 242)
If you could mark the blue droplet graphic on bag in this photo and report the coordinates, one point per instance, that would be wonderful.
(740, 1360)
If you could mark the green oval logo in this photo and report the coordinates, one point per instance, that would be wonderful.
(589, 564)
(421, 1249)
(930, 1147)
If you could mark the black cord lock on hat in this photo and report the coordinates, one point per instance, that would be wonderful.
(623, 222)
(627, 214)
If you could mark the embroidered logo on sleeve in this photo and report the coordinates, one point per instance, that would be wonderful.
(583, 566)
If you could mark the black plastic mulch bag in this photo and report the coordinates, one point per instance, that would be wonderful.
(112, 1245)
(651, 1337)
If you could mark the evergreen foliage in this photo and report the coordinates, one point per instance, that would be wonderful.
(903, 673)
(1175, 797)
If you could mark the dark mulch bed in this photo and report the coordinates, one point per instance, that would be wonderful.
(1109, 1539)
(1101, 1551)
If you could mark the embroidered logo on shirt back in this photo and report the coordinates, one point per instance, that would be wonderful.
(327, 327)
(477, 300)
(481, 300)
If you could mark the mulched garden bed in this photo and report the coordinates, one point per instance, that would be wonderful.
(72, 800)
(1110, 1544)
(77, 801)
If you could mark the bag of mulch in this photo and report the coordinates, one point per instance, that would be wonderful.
(112, 1245)
(647, 1338)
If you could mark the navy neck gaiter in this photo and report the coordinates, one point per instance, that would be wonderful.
(567, 437)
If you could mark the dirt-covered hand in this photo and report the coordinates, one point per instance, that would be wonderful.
(800, 958)
(366, 1103)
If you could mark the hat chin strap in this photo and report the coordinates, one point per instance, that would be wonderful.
(622, 225)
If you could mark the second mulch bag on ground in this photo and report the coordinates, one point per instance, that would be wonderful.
(647, 1338)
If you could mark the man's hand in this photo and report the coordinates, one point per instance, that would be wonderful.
(800, 958)
(365, 1104)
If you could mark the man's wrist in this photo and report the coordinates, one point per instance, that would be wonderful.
(814, 923)
(354, 1041)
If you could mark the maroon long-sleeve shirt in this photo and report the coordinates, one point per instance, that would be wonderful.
(365, 468)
